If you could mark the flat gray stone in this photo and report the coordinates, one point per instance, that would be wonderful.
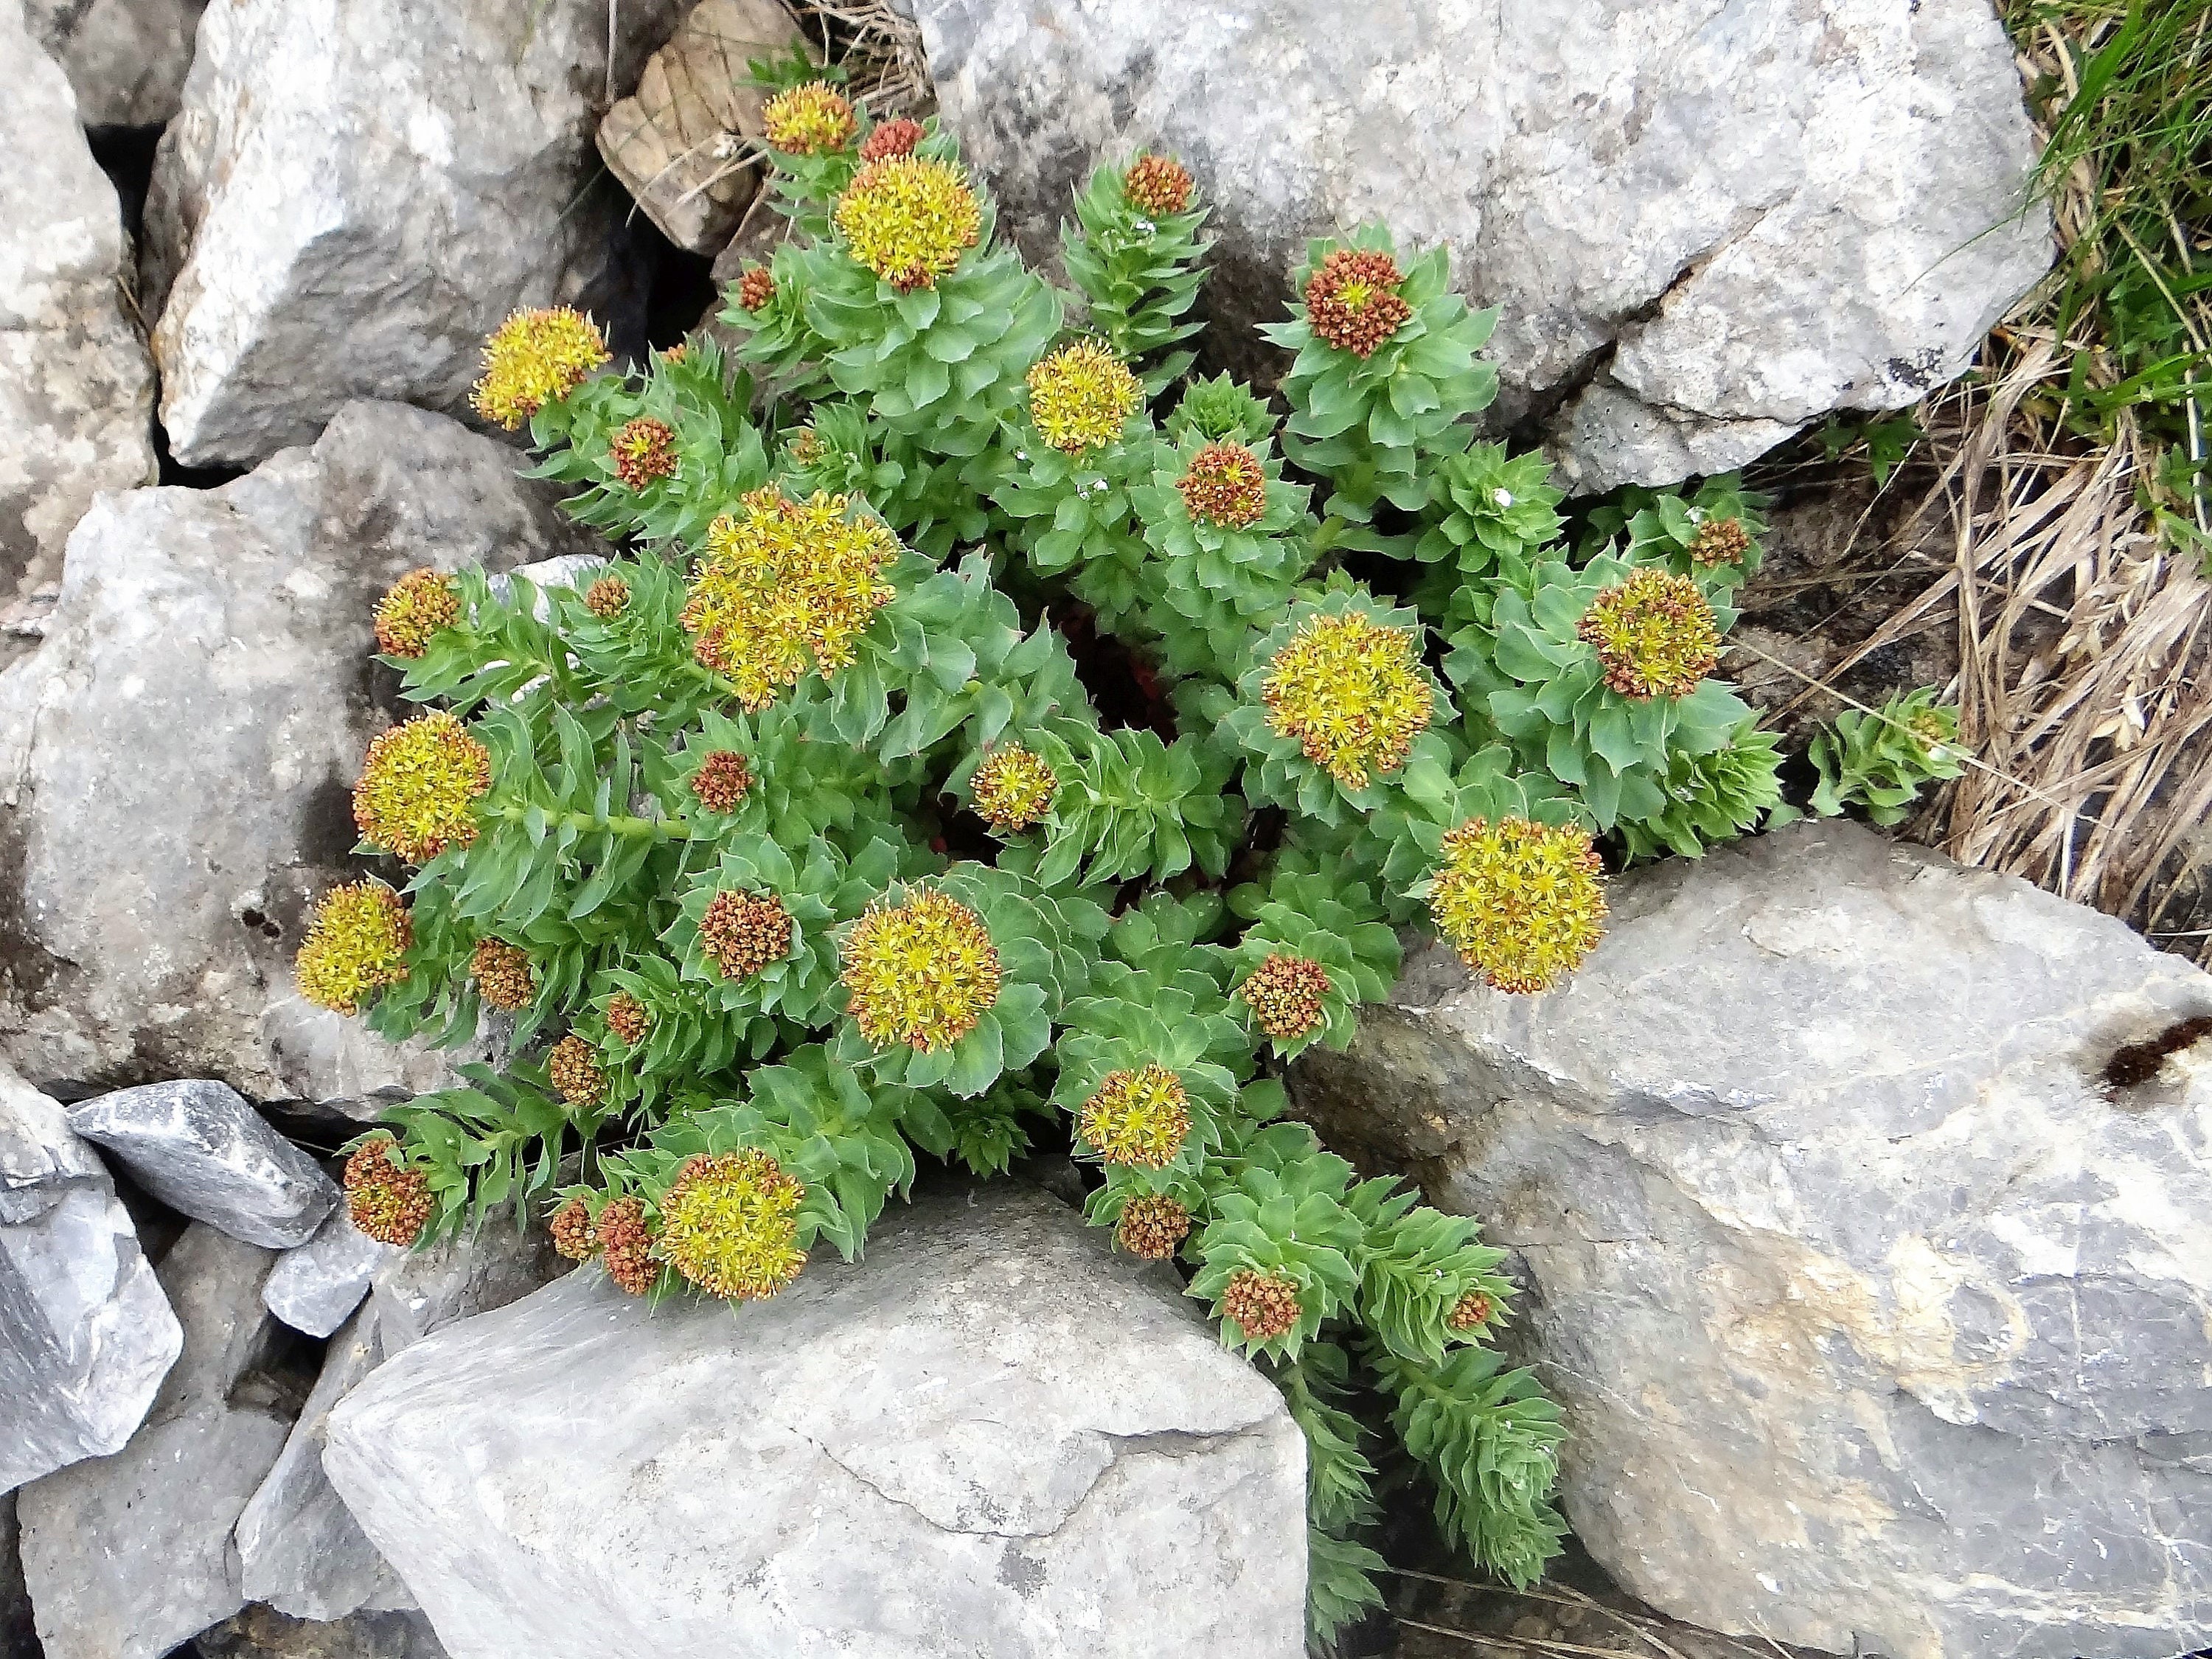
(1875, 1307)
(1706, 223)
(127, 58)
(315, 1286)
(991, 1438)
(86, 1333)
(129, 1555)
(205, 1153)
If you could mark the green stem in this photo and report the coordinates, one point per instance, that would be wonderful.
(621, 823)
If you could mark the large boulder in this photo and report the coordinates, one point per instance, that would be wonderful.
(1863, 1223)
(129, 1555)
(1704, 226)
(992, 1436)
(77, 389)
(175, 758)
(352, 197)
(127, 58)
(86, 1333)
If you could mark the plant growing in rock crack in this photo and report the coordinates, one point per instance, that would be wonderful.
(794, 845)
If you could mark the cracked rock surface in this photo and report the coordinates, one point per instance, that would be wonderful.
(1874, 1287)
(991, 1437)
(1706, 223)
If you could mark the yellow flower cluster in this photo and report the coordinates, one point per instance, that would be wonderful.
(534, 358)
(785, 586)
(418, 787)
(1081, 396)
(643, 450)
(1224, 485)
(908, 219)
(923, 972)
(812, 120)
(1351, 694)
(1013, 788)
(412, 611)
(1139, 1117)
(1520, 901)
(356, 944)
(1655, 636)
(730, 1225)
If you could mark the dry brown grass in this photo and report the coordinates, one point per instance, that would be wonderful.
(878, 49)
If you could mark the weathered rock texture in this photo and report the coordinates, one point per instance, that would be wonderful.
(1878, 1317)
(127, 58)
(86, 1334)
(205, 1153)
(19, 1637)
(991, 1438)
(176, 758)
(76, 389)
(352, 197)
(315, 1286)
(263, 1634)
(1705, 223)
(129, 1555)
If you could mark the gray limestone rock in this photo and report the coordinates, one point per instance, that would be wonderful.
(1872, 1288)
(1705, 223)
(205, 1153)
(390, 179)
(991, 1437)
(127, 58)
(86, 1333)
(76, 387)
(131, 1554)
(264, 1633)
(176, 758)
(316, 1285)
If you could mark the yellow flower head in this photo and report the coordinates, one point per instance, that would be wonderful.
(1351, 694)
(356, 944)
(787, 585)
(643, 450)
(1138, 1117)
(418, 788)
(1013, 788)
(1081, 396)
(1353, 300)
(730, 1225)
(923, 972)
(1655, 636)
(1224, 485)
(534, 358)
(1520, 901)
(908, 219)
(1285, 994)
(814, 120)
(413, 609)
(575, 1072)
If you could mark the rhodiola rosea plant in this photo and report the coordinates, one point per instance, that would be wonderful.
(791, 845)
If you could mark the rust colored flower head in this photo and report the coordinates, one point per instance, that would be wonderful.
(418, 787)
(628, 1018)
(1224, 485)
(626, 1245)
(357, 940)
(1152, 1227)
(730, 1225)
(923, 972)
(1472, 1312)
(1081, 396)
(1261, 1305)
(607, 598)
(1655, 636)
(1141, 1117)
(742, 933)
(573, 1235)
(534, 358)
(1719, 542)
(1157, 184)
(388, 1201)
(1013, 788)
(805, 445)
(675, 354)
(722, 782)
(908, 219)
(1351, 694)
(504, 977)
(1520, 901)
(1353, 300)
(574, 1069)
(813, 120)
(787, 585)
(412, 611)
(1285, 994)
(643, 452)
(896, 136)
(756, 289)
